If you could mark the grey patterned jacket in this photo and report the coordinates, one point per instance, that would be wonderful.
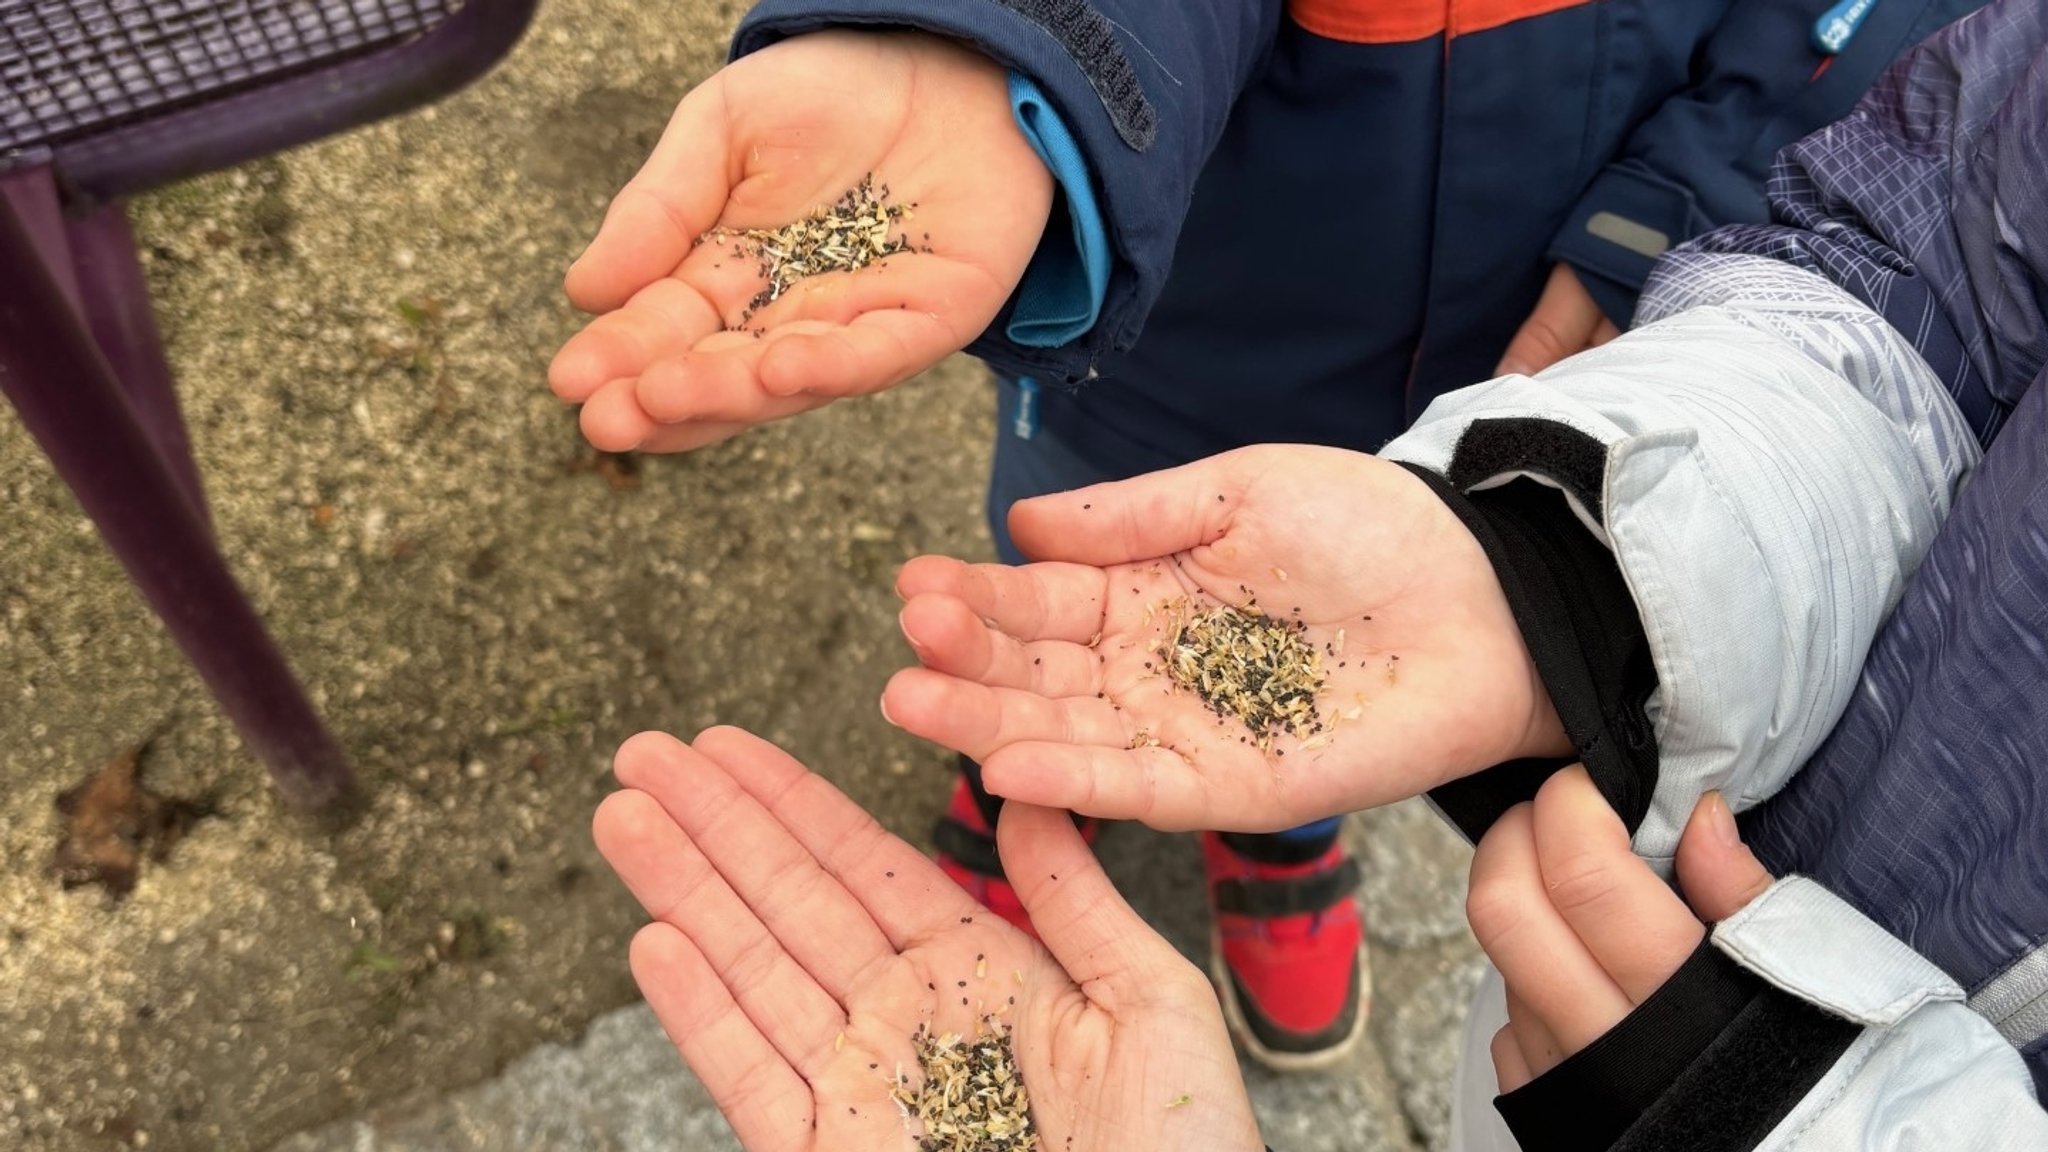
(1825, 482)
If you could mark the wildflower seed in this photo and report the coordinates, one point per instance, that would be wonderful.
(972, 1098)
(845, 237)
(1244, 665)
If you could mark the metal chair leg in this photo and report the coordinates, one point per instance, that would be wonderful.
(55, 374)
(115, 298)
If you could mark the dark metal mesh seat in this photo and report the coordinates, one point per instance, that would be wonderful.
(77, 66)
(100, 99)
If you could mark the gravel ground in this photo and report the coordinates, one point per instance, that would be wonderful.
(483, 609)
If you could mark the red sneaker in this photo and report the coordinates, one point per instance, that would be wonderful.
(967, 853)
(1287, 952)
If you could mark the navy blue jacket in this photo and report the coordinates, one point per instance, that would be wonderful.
(1327, 212)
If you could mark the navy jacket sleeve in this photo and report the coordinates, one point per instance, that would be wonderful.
(1146, 89)
(1700, 160)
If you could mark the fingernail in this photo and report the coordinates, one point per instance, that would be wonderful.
(885, 712)
(1721, 821)
(916, 645)
(1512, 368)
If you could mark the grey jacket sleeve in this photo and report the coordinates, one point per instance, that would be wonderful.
(1770, 462)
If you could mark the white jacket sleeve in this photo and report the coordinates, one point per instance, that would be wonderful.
(1777, 460)
(1921, 1070)
(1925, 1072)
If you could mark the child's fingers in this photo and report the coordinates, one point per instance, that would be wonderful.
(908, 281)
(1717, 872)
(1032, 602)
(1152, 785)
(1084, 921)
(908, 896)
(1510, 1067)
(668, 438)
(769, 372)
(877, 327)
(678, 884)
(612, 419)
(713, 385)
(1630, 921)
(665, 318)
(1135, 520)
(1542, 959)
(877, 350)
(761, 1095)
(950, 638)
(676, 197)
(1538, 1046)
(810, 913)
(976, 720)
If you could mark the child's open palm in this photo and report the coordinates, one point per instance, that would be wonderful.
(1053, 676)
(797, 948)
(677, 358)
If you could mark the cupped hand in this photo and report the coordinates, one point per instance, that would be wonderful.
(1050, 674)
(1582, 930)
(797, 948)
(674, 359)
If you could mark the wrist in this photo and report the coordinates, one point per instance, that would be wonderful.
(1543, 735)
(1587, 656)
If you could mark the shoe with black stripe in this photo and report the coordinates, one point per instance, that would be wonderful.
(1287, 953)
(967, 853)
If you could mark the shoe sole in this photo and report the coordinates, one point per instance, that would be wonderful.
(1241, 1029)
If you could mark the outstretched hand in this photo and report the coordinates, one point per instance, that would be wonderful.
(1050, 674)
(669, 364)
(797, 947)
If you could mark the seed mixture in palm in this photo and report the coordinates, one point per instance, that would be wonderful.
(1259, 670)
(845, 237)
(972, 1098)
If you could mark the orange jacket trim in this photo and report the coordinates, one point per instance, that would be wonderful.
(1399, 21)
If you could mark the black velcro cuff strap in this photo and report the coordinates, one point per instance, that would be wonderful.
(1712, 1062)
(1593, 1097)
(1745, 1084)
(1090, 39)
(1296, 896)
(1583, 632)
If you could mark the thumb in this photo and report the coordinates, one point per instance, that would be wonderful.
(1127, 521)
(1079, 915)
(1716, 871)
(652, 224)
(1564, 321)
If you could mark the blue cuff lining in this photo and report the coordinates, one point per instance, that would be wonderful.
(1061, 295)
